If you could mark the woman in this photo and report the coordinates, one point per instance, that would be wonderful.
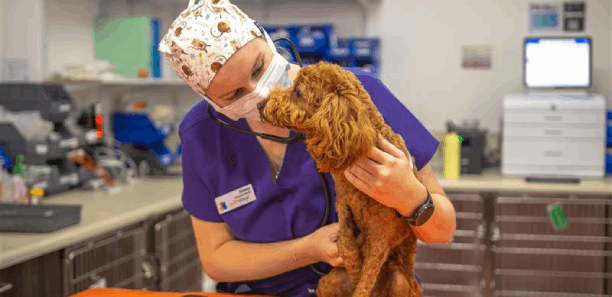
(257, 204)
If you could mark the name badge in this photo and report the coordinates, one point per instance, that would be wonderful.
(234, 199)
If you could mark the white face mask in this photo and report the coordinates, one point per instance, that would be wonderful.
(277, 74)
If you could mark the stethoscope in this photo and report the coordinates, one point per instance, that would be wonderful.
(287, 140)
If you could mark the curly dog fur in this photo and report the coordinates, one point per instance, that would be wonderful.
(340, 125)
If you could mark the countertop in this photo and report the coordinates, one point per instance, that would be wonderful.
(492, 180)
(103, 212)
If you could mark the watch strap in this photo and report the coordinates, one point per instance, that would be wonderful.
(417, 218)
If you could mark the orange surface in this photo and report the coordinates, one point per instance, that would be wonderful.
(113, 292)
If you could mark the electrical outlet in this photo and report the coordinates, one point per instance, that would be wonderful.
(14, 69)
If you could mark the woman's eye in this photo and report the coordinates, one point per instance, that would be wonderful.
(237, 94)
(258, 70)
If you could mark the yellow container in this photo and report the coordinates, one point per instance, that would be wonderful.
(452, 156)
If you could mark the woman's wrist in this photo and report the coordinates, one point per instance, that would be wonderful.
(408, 204)
(304, 250)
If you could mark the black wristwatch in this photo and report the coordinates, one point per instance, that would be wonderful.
(422, 213)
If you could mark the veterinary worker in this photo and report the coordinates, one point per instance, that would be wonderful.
(258, 204)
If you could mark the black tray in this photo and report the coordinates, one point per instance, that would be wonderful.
(38, 218)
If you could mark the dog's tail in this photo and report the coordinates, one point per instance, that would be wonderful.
(375, 257)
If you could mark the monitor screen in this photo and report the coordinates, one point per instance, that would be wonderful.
(557, 62)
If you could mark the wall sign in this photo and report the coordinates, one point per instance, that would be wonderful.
(544, 17)
(476, 57)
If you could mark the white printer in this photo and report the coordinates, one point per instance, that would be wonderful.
(554, 135)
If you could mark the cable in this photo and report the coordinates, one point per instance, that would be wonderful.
(113, 158)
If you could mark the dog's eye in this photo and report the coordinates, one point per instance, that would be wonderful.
(298, 93)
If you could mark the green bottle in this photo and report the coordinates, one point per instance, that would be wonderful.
(19, 189)
(18, 163)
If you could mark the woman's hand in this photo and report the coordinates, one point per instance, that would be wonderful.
(324, 245)
(386, 176)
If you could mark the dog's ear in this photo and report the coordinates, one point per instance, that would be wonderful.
(341, 131)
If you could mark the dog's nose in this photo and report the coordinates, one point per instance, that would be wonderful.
(261, 105)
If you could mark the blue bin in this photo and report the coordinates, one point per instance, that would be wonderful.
(314, 39)
(609, 164)
(366, 53)
(609, 128)
(289, 32)
(5, 160)
(340, 53)
(136, 129)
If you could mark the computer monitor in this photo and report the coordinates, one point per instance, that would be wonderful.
(557, 62)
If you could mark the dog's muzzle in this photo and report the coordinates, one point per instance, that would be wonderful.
(260, 107)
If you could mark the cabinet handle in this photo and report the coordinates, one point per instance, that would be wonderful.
(553, 154)
(553, 118)
(480, 230)
(552, 132)
(4, 287)
(495, 232)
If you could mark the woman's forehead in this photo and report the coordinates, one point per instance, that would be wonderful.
(238, 68)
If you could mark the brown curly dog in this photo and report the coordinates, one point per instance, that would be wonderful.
(340, 124)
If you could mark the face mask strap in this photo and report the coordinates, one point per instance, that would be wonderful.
(266, 36)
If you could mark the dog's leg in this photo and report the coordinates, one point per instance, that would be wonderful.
(405, 284)
(335, 284)
(375, 256)
(349, 243)
(383, 285)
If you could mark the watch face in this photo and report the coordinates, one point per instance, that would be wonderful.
(424, 216)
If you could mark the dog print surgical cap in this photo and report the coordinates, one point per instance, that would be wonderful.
(203, 37)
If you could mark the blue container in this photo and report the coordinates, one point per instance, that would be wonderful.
(609, 164)
(136, 129)
(609, 128)
(314, 39)
(366, 53)
(5, 160)
(340, 53)
(289, 32)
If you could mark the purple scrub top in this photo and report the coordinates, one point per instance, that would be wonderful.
(218, 160)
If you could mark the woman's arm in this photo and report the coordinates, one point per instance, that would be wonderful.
(440, 228)
(226, 259)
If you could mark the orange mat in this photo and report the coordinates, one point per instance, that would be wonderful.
(114, 292)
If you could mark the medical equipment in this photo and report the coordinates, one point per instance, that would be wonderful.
(144, 142)
(287, 140)
(473, 142)
(557, 62)
(553, 135)
(88, 163)
(33, 124)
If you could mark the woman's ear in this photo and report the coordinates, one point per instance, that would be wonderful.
(340, 132)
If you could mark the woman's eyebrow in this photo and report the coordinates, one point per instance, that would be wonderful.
(259, 57)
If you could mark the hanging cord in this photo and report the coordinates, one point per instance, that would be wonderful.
(107, 157)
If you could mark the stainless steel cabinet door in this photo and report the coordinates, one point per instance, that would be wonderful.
(456, 269)
(533, 258)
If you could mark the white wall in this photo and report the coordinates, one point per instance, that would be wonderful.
(21, 33)
(421, 46)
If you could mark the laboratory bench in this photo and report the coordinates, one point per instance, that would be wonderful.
(505, 244)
